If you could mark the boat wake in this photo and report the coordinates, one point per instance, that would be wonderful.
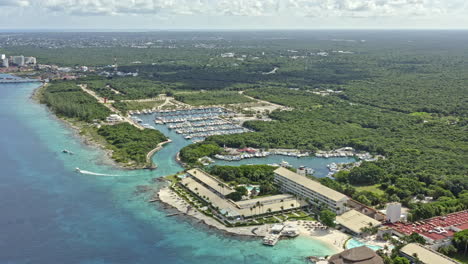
(95, 173)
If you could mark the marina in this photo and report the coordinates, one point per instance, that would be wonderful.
(194, 124)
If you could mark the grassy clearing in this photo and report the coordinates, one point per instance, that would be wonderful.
(135, 105)
(212, 98)
(461, 258)
(371, 188)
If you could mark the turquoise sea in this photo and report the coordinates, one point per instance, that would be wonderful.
(51, 214)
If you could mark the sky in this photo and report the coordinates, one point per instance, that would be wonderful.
(233, 14)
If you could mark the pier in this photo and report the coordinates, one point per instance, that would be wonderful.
(198, 123)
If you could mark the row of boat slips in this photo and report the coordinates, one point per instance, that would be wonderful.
(199, 110)
(199, 123)
(181, 119)
(194, 130)
(259, 154)
(193, 111)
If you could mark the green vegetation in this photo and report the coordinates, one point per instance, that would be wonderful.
(247, 174)
(192, 153)
(460, 240)
(444, 205)
(327, 217)
(129, 143)
(124, 107)
(212, 98)
(420, 156)
(399, 94)
(125, 88)
(371, 188)
(460, 258)
(66, 99)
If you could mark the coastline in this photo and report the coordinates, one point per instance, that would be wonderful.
(153, 151)
(334, 239)
(90, 141)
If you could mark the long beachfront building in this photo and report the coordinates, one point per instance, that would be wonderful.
(213, 191)
(316, 193)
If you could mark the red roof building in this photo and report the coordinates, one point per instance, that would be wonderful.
(435, 230)
(249, 150)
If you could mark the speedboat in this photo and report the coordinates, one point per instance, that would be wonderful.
(77, 170)
(66, 151)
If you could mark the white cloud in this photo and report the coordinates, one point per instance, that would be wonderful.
(21, 3)
(252, 8)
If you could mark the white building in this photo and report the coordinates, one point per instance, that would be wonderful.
(316, 193)
(3, 56)
(425, 255)
(227, 55)
(5, 63)
(30, 60)
(393, 212)
(114, 118)
(18, 60)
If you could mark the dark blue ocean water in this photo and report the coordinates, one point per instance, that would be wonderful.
(50, 214)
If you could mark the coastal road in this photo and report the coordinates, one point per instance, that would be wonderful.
(109, 106)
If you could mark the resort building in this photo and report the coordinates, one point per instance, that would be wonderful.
(353, 222)
(213, 191)
(415, 251)
(314, 192)
(357, 255)
(210, 182)
(437, 231)
(367, 210)
(18, 60)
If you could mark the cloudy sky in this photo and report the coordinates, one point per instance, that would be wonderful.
(233, 14)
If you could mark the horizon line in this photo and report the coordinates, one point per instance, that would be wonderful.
(141, 30)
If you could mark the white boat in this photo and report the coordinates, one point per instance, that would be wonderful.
(77, 170)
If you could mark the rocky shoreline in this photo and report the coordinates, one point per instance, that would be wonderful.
(90, 141)
(334, 239)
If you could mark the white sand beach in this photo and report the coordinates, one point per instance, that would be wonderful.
(332, 237)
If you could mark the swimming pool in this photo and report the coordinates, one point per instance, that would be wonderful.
(352, 243)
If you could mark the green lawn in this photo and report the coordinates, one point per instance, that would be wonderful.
(461, 258)
(371, 188)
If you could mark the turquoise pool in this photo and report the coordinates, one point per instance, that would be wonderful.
(352, 243)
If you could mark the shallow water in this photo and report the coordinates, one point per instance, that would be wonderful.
(51, 214)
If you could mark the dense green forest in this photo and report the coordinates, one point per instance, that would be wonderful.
(68, 100)
(130, 144)
(192, 153)
(400, 94)
(211, 98)
(124, 88)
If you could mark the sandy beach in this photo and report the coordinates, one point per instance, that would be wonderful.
(333, 238)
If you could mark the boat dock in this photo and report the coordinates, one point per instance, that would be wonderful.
(271, 239)
(198, 123)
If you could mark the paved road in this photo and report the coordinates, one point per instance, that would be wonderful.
(109, 106)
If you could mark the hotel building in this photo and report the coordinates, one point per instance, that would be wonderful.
(291, 182)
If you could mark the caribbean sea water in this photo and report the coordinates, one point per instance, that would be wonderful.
(51, 214)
